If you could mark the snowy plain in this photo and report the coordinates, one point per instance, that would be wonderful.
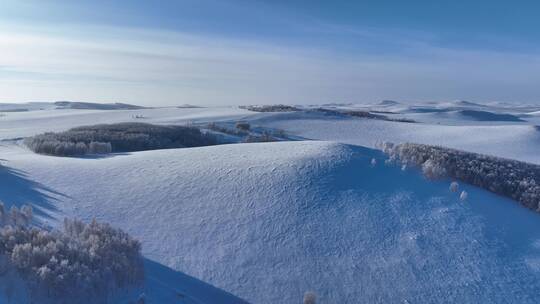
(269, 221)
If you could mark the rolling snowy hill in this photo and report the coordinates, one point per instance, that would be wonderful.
(269, 221)
(515, 141)
(23, 124)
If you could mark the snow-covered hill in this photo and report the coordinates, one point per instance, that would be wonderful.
(269, 221)
(23, 124)
(515, 141)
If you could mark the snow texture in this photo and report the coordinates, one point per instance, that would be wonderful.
(270, 221)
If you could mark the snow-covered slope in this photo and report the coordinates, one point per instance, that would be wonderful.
(162, 285)
(516, 141)
(269, 221)
(22, 124)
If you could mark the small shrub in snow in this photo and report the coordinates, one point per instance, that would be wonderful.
(463, 196)
(454, 186)
(310, 298)
(83, 263)
(373, 162)
(244, 126)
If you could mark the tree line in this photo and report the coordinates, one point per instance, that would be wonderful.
(120, 137)
(511, 178)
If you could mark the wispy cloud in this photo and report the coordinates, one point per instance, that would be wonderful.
(164, 67)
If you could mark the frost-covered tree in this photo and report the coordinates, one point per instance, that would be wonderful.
(121, 137)
(432, 170)
(514, 179)
(84, 262)
(454, 187)
(96, 147)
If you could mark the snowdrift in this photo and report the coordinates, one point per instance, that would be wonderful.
(269, 221)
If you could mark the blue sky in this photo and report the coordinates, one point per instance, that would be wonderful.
(239, 51)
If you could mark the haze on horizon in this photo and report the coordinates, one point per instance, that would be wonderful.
(244, 52)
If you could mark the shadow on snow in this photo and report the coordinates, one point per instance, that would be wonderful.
(18, 189)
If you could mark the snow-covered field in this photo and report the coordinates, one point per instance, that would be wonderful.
(437, 124)
(270, 221)
(515, 141)
(22, 124)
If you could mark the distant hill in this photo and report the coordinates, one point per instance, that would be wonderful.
(24, 107)
(465, 103)
(95, 106)
(189, 106)
(489, 116)
(388, 103)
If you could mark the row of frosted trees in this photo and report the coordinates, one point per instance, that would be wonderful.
(511, 178)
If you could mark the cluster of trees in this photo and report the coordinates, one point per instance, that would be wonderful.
(362, 114)
(121, 137)
(271, 108)
(95, 106)
(84, 261)
(237, 131)
(515, 179)
(248, 134)
(264, 137)
(46, 144)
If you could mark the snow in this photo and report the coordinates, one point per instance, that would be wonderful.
(270, 221)
(23, 124)
(266, 222)
(161, 285)
(516, 141)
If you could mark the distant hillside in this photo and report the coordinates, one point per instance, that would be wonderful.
(189, 106)
(120, 137)
(271, 108)
(95, 106)
(464, 103)
(388, 103)
(24, 107)
(489, 116)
